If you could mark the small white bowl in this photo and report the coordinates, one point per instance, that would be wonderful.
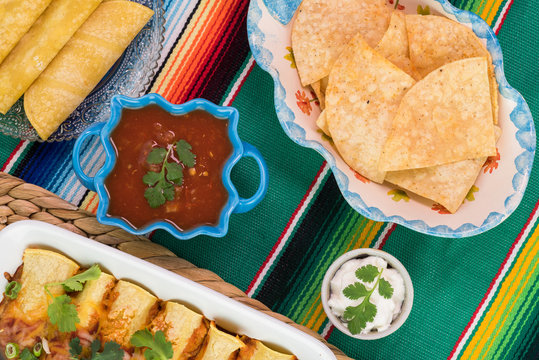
(392, 262)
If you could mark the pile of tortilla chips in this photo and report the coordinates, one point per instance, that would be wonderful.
(408, 99)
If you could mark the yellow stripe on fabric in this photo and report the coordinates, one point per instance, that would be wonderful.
(182, 48)
(315, 319)
(89, 200)
(490, 10)
(509, 286)
(519, 293)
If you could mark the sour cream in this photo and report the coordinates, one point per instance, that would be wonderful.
(387, 309)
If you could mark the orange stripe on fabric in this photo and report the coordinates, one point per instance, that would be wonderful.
(202, 56)
(191, 28)
(90, 201)
(228, 27)
(200, 34)
(491, 320)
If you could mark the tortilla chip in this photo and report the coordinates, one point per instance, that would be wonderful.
(362, 98)
(394, 45)
(323, 28)
(446, 184)
(445, 117)
(322, 123)
(436, 41)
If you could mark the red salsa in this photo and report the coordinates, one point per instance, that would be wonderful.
(200, 197)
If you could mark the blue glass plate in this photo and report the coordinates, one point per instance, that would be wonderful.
(130, 75)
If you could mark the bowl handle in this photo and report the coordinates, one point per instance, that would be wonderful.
(85, 179)
(245, 205)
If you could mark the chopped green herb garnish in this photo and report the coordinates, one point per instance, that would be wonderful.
(12, 350)
(111, 350)
(358, 316)
(36, 350)
(61, 311)
(161, 184)
(12, 290)
(27, 355)
(158, 348)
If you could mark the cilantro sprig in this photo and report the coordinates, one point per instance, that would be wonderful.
(157, 347)
(13, 289)
(61, 310)
(111, 350)
(161, 184)
(358, 316)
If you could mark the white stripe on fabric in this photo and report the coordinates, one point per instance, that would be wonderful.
(237, 84)
(73, 185)
(493, 290)
(16, 156)
(383, 235)
(284, 239)
(500, 19)
(176, 20)
(327, 330)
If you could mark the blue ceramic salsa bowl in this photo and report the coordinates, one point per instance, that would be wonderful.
(235, 203)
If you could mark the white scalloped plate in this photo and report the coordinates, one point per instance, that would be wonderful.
(499, 189)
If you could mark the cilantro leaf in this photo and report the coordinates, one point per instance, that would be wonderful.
(111, 351)
(27, 355)
(75, 283)
(367, 273)
(95, 346)
(156, 156)
(63, 313)
(355, 291)
(183, 148)
(168, 191)
(174, 172)
(158, 348)
(75, 348)
(359, 316)
(154, 196)
(385, 289)
(151, 178)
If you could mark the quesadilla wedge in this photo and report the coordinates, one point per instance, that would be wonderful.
(184, 328)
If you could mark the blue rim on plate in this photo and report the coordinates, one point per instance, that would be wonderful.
(235, 204)
(130, 75)
(283, 11)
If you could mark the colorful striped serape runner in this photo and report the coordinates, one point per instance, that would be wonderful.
(475, 298)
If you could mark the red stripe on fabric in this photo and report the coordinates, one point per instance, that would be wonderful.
(218, 59)
(504, 16)
(495, 279)
(12, 155)
(332, 327)
(90, 201)
(159, 87)
(241, 84)
(286, 228)
(387, 236)
(179, 95)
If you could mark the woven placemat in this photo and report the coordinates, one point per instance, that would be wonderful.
(22, 201)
